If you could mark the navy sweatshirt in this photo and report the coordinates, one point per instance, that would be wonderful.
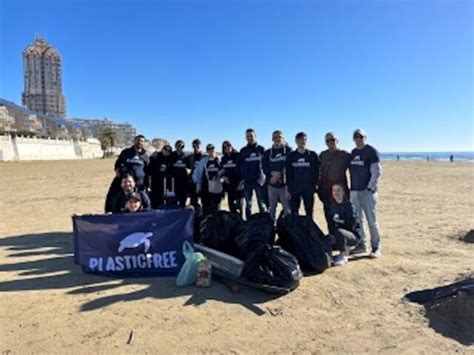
(274, 160)
(179, 164)
(134, 162)
(231, 169)
(302, 171)
(250, 162)
(343, 215)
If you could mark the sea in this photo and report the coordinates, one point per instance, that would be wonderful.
(431, 156)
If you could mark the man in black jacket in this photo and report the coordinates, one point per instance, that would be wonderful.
(251, 172)
(134, 161)
(179, 172)
(302, 173)
(159, 175)
(193, 161)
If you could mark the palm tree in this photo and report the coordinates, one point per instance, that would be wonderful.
(107, 139)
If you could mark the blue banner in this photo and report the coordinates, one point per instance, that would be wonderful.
(133, 244)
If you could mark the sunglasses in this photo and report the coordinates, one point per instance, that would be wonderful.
(210, 148)
(330, 140)
(358, 136)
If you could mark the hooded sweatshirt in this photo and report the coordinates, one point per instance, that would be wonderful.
(250, 163)
(134, 162)
(274, 160)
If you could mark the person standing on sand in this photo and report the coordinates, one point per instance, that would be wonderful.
(179, 172)
(159, 175)
(230, 174)
(251, 173)
(206, 172)
(302, 174)
(133, 160)
(334, 166)
(274, 168)
(366, 171)
(193, 161)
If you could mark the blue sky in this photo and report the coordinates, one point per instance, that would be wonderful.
(402, 70)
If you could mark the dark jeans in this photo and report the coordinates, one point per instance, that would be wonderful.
(344, 240)
(308, 201)
(210, 202)
(249, 188)
(193, 195)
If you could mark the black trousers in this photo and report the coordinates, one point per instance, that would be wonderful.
(234, 200)
(308, 201)
(344, 239)
(210, 202)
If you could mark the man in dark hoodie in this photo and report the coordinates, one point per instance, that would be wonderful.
(274, 169)
(251, 172)
(193, 161)
(179, 173)
(134, 161)
(159, 175)
(302, 173)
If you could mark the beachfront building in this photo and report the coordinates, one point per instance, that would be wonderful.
(125, 132)
(42, 79)
(6, 120)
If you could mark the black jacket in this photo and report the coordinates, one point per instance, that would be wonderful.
(121, 199)
(158, 169)
(343, 215)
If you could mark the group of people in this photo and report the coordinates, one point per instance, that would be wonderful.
(278, 175)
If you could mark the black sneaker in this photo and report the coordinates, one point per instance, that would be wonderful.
(360, 249)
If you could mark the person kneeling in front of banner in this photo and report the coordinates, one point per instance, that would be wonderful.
(134, 203)
(127, 188)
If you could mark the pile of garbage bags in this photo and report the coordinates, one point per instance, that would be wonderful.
(272, 257)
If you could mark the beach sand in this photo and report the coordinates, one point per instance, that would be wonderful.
(48, 305)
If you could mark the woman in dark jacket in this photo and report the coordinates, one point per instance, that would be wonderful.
(230, 174)
(344, 227)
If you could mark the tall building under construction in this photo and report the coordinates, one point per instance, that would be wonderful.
(42, 76)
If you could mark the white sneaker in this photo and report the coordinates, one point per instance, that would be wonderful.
(376, 253)
(340, 260)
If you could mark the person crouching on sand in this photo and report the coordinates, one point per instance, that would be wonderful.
(344, 228)
(128, 187)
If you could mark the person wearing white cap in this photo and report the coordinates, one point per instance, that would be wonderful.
(365, 171)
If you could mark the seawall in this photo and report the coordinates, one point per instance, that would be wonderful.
(27, 148)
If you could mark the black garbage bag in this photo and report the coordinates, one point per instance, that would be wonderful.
(271, 265)
(256, 231)
(219, 231)
(300, 236)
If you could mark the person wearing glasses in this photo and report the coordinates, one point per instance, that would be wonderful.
(251, 172)
(179, 173)
(365, 172)
(207, 180)
(274, 168)
(333, 170)
(159, 176)
(230, 174)
(302, 174)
